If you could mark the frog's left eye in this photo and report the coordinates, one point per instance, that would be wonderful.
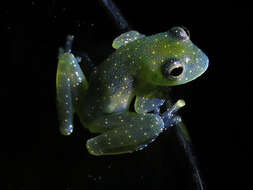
(179, 33)
(173, 69)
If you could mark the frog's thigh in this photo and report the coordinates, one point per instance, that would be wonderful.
(144, 105)
(129, 132)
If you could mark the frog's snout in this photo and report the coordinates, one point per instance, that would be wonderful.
(201, 61)
(199, 65)
(204, 62)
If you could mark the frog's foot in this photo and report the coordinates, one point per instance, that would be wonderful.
(124, 133)
(71, 86)
(169, 117)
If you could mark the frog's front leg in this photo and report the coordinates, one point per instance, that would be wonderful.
(145, 104)
(122, 133)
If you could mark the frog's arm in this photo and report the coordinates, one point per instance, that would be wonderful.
(145, 104)
(151, 103)
(71, 84)
(125, 38)
(151, 100)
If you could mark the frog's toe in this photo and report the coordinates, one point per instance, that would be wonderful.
(93, 147)
(68, 45)
(66, 128)
(169, 117)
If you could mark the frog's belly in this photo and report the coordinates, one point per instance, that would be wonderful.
(96, 105)
(117, 104)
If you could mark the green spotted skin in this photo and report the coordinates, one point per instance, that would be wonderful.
(140, 67)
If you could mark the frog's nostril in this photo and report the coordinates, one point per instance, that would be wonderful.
(177, 71)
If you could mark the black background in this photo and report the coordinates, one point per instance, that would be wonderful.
(35, 156)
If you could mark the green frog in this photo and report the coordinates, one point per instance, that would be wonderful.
(139, 73)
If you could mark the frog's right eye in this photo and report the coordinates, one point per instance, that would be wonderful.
(179, 33)
(173, 69)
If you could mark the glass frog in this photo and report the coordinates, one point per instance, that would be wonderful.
(140, 71)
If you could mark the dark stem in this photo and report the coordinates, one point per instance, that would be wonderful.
(190, 155)
(115, 15)
(123, 26)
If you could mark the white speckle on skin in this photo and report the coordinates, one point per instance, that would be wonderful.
(187, 59)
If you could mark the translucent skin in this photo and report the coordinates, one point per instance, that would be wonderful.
(135, 69)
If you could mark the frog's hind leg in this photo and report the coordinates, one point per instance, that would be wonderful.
(71, 85)
(126, 132)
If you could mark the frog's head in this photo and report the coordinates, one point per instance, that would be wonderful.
(174, 59)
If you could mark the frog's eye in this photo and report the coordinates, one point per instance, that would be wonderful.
(179, 33)
(173, 69)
